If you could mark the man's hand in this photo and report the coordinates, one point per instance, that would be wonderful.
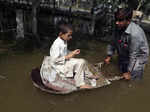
(107, 60)
(127, 75)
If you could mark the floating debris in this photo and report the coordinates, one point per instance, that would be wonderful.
(2, 77)
(115, 78)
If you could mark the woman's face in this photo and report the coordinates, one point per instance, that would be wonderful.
(67, 36)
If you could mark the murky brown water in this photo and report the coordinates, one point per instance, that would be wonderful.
(17, 94)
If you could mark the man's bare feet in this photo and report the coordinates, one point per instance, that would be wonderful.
(86, 86)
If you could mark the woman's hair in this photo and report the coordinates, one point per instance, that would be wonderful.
(124, 14)
(64, 27)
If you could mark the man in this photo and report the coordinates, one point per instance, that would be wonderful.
(131, 44)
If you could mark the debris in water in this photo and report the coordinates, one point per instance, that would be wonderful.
(130, 85)
(2, 77)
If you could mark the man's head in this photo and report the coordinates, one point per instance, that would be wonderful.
(123, 17)
(65, 31)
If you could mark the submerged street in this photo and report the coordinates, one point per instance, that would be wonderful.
(19, 95)
(28, 28)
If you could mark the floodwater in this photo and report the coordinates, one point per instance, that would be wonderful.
(17, 94)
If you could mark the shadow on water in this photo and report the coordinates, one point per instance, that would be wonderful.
(19, 95)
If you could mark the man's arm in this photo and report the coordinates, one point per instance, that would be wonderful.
(134, 51)
(110, 52)
(110, 49)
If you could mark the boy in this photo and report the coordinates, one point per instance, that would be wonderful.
(61, 61)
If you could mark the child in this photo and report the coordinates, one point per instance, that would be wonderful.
(61, 62)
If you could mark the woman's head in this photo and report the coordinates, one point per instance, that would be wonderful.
(65, 31)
